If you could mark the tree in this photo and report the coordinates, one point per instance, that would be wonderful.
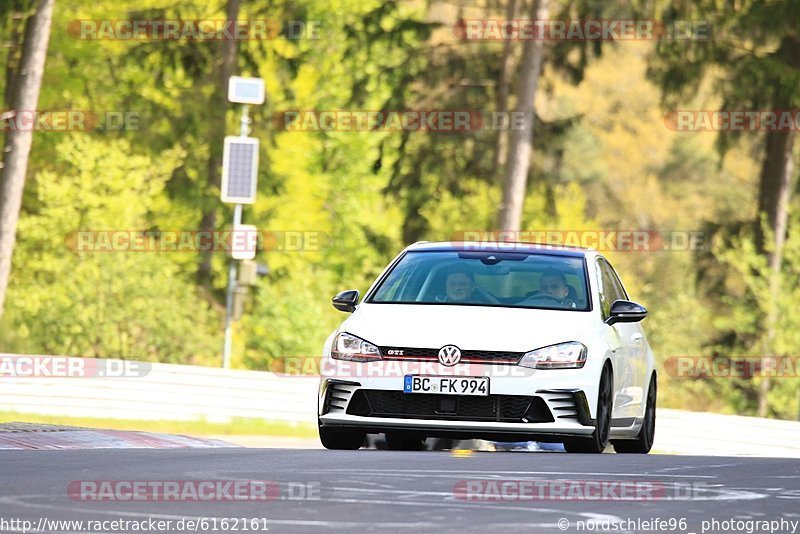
(755, 53)
(224, 68)
(502, 90)
(12, 13)
(25, 97)
(521, 140)
(567, 57)
(93, 299)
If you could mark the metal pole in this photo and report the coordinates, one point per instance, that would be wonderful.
(226, 347)
(244, 130)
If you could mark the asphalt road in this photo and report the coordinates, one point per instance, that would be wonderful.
(386, 491)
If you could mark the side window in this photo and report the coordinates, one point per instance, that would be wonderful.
(610, 287)
(620, 290)
(605, 303)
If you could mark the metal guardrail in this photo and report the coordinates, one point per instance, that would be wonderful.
(711, 434)
(167, 392)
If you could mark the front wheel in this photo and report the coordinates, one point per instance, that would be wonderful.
(644, 439)
(341, 439)
(602, 425)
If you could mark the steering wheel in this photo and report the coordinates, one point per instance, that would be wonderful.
(542, 296)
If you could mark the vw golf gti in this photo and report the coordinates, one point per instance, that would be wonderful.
(499, 341)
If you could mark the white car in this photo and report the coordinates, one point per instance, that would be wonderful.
(499, 341)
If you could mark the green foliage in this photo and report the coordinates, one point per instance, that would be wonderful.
(751, 56)
(135, 305)
(761, 314)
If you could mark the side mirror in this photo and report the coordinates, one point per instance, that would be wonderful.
(625, 311)
(346, 300)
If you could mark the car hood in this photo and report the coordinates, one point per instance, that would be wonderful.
(467, 327)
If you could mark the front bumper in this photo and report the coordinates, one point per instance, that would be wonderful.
(524, 404)
(460, 429)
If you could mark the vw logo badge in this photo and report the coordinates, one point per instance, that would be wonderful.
(449, 355)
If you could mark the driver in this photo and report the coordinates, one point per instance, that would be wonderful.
(553, 285)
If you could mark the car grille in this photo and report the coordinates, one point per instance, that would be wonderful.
(469, 356)
(497, 408)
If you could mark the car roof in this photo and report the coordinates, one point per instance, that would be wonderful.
(500, 246)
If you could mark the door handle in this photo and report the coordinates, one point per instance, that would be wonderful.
(636, 337)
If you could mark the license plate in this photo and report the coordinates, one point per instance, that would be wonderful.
(447, 385)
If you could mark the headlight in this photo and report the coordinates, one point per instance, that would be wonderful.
(570, 355)
(349, 347)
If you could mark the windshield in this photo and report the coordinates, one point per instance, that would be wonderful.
(508, 279)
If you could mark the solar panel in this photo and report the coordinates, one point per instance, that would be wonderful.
(246, 90)
(239, 170)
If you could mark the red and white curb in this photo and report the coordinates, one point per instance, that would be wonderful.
(31, 436)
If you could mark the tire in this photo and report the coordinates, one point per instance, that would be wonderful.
(644, 440)
(602, 425)
(341, 439)
(404, 441)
